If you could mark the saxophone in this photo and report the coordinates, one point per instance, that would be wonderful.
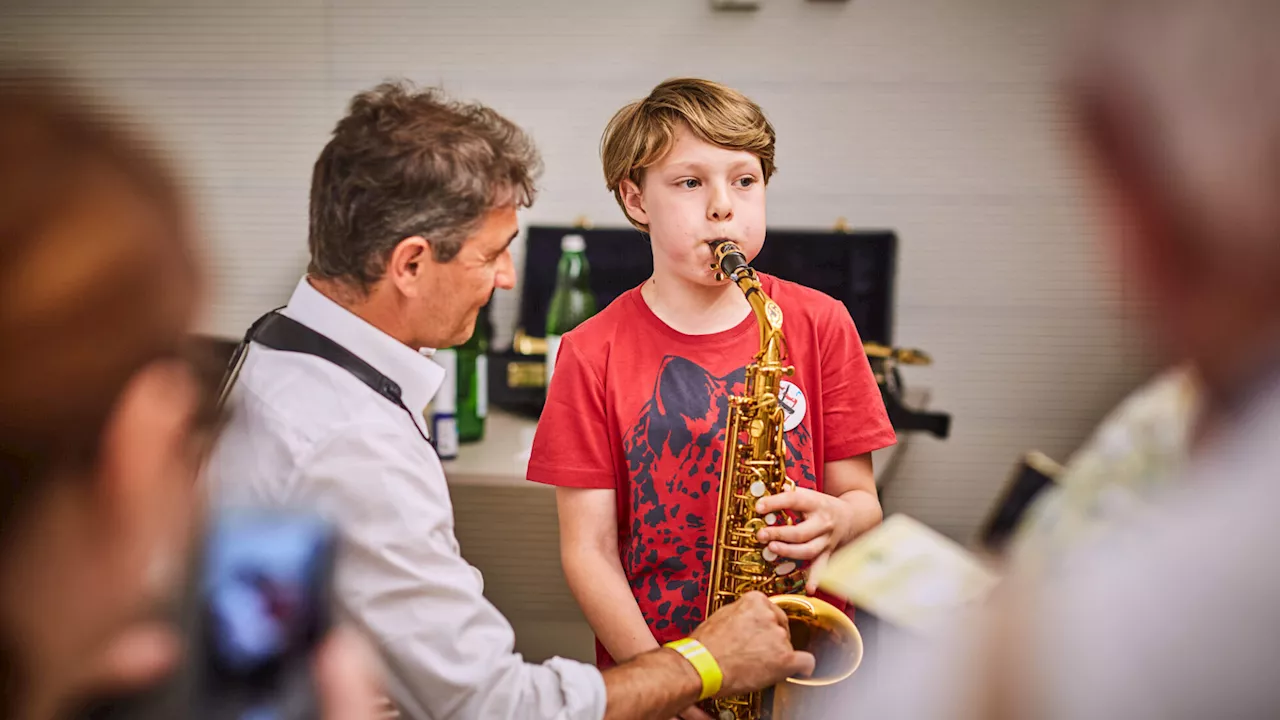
(754, 465)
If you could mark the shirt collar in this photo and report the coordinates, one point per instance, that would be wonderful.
(417, 375)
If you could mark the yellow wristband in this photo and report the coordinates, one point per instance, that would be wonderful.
(698, 656)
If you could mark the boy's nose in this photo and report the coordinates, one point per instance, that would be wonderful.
(720, 208)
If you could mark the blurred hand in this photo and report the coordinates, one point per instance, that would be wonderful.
(345, 667)
(347, 678)
(134, 659)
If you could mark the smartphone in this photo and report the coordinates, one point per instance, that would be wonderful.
(259, 602)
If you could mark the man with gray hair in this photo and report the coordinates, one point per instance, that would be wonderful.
(1172, 611)
(413, 207)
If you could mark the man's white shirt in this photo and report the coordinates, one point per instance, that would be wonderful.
(306, 434)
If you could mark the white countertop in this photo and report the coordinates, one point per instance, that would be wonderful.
(502, 457)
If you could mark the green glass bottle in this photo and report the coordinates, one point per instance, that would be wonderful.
(572, 302)
(473, 381)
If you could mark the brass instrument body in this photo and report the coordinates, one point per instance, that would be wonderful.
(754, 466)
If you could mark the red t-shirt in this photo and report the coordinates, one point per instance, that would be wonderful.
(639, 407)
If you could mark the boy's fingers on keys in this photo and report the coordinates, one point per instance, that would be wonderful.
(801, 499)
(811, 527)
(801, 551)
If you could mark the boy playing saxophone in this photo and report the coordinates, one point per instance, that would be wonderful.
(633, 428)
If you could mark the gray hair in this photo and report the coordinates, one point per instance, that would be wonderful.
(407, 163)
(1187, 94)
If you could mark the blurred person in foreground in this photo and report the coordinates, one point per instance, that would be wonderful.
(100, 417)
(1170, 612)
(1129, 460)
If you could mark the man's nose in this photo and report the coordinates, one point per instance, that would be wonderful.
(505, 278)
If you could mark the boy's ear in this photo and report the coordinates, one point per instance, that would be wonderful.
(633, 201)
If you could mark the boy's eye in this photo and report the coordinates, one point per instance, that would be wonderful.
(689, 183)
(747, 181)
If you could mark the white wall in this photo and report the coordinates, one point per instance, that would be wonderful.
(932, 117)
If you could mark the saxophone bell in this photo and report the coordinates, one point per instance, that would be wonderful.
(819, 628)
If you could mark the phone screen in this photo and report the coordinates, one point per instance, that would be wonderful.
(257, 605)
(266, 605)
(264, 577)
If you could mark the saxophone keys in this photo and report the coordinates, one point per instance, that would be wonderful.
(727, 714)
(788, 485)
(785, 568)
(771, 519)
(758, 488)
(769, 555)
(753, 563)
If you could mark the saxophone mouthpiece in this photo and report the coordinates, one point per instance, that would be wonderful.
(729, 260)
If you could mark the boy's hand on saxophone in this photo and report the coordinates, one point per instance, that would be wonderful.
(750, 640)
(821, 530)
(849, 507)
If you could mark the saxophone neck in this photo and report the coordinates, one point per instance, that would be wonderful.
(768, 318)
(731, 263)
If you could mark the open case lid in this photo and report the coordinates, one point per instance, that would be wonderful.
(855, 267)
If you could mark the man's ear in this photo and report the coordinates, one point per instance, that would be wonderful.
(633, 201)
(409, 259)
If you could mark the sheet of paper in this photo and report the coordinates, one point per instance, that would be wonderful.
(907, 574)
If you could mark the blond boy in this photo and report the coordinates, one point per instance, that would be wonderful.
(633, 429)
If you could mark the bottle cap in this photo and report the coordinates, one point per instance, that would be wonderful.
(573, 243)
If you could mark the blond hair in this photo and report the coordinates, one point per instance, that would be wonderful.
(643, 132)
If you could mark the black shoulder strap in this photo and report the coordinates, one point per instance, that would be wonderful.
(280, 332)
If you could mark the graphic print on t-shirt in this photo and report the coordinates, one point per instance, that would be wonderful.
(794, 405)
(674, 452)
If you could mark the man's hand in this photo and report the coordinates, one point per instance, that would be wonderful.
(750, 641)
(693, 712)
